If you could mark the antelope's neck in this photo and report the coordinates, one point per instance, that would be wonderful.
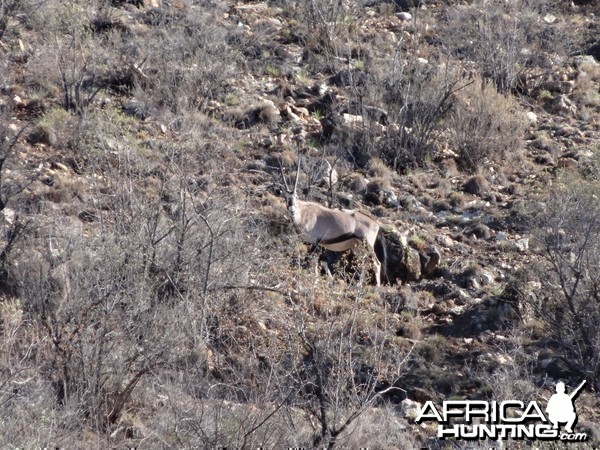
(295, 215)
(298, 215)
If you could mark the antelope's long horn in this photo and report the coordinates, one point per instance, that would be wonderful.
(297, 174)
(287, 188)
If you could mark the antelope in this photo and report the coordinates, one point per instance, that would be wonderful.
(333, 229)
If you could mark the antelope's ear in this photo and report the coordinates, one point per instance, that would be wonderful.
(276, 190)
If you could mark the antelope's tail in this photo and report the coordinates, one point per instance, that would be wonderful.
(380, 248)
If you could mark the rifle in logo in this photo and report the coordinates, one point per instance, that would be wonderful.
(573, 394)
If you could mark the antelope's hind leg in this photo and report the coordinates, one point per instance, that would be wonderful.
(377, 268)
(370, 251)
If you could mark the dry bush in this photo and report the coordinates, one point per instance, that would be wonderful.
(17, 11)
(25, 399)
(137, 295)
(484, 126)
(502, 39)
(326, 30)
(170, 59)
(586, 87)
(569, 228)
(186, 60)
(346, 367)
(67, 54)
(511, 379)
(13, 180)
(416, 98)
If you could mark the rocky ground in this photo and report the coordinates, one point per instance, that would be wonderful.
(148, 256)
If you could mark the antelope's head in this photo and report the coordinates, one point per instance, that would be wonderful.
(291, 195)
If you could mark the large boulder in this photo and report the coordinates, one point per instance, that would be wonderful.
(404, 262)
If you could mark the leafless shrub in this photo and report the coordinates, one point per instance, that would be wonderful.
(329, 31)
(415, 97)
(511, 378)
(569, 227)
(185, 64)
(66, 54)
(137, 296)
(12, 225)
(503, 39)
(484, 125)
(16, 9)
(335, 388)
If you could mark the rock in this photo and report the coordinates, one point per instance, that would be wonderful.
(532, 118)
(480, 231)
(585, 60)
(266, 142)
(396, 244)
(269, 113)
(300, 111)
(549, 18)
(291, 115)
(438, 309)
(474, 277)
(412, 264)
(486, 277)
(562, 104)
(504, 359)
(522, 244)
(390, 199)
(42, 135)
(430, 261)
(566, 163)
(378, 190)
(410, 409)
(445, 241)
(476, 185)
(568, 131)
(352, 120)
(375, 114)
(9, 215)
(404, 15)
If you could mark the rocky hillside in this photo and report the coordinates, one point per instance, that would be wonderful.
(153, 292)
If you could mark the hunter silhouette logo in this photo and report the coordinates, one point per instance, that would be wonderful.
(510, 419)
(560, 407)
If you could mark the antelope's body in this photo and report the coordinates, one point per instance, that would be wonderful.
(333, 229)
